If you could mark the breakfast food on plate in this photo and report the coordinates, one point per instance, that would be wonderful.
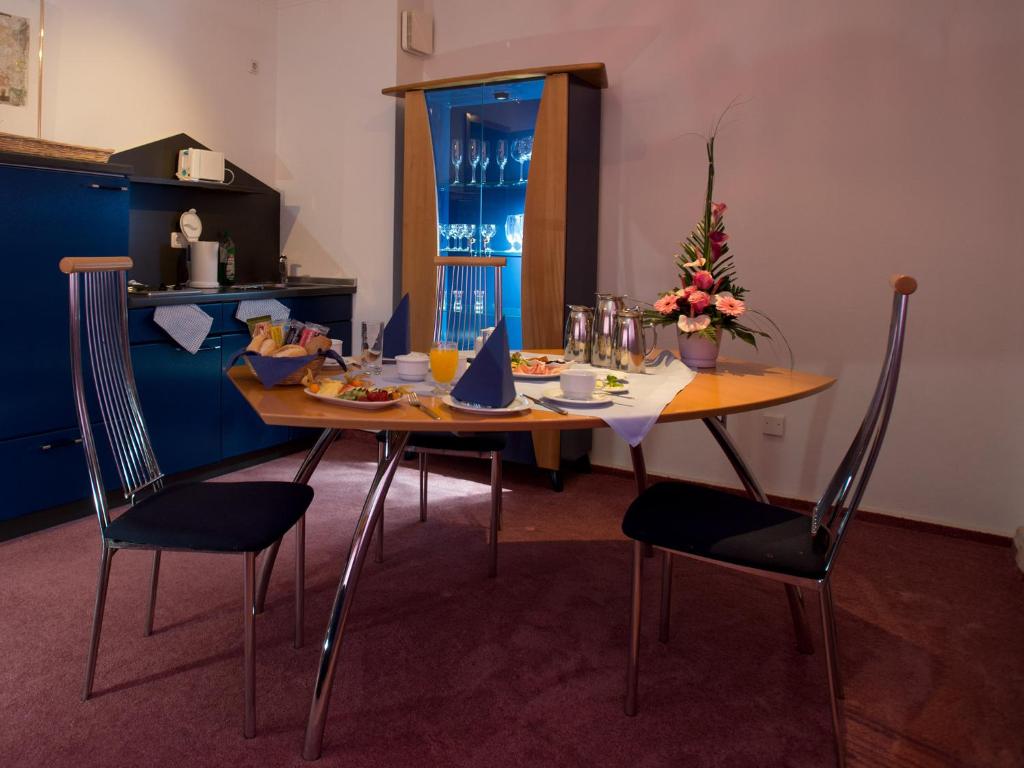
(353, 388)
(534, 366)
(611, 382)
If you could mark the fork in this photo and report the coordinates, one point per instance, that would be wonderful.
(414, 400)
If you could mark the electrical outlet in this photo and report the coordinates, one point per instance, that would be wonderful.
(773, 425)
(254, 67)
(178, 240)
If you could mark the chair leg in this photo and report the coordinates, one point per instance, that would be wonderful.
(833, 692)
(97, 619)
(249, 616)
(835, 642)
(154, 578)
(804, 644)
(378, 534)
(423, 487)
(633, 665)
(666, 596)
(495, 510)
(300, 579)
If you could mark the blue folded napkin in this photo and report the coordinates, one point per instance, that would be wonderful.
(398, 331)
(488, 380)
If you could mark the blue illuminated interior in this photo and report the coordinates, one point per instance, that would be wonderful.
(488, 114)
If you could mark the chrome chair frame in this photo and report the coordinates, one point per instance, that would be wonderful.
(102, 281)
(834, 510)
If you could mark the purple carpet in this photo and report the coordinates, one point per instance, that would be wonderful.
(443, 666)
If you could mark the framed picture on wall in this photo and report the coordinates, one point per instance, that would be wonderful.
(21, 66)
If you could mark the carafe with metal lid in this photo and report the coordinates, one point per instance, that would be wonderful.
(629, 348)
(578, 329)
(604, 329)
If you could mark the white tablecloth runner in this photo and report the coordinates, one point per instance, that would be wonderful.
(631, 419)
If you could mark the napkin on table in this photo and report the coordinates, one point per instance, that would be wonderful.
(488, 380)
(187, 324)
(397, 332)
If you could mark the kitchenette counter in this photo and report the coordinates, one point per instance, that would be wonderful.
(296, 287)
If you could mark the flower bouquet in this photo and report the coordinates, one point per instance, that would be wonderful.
(708, 300)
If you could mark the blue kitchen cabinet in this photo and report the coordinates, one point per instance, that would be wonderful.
(46, 215)
(180, 396)
(242, 430)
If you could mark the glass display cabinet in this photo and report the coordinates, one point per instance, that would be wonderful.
(501, 164)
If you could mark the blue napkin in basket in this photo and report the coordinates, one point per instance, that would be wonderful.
(398, 331)
(488, 380)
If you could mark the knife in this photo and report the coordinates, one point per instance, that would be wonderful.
(546, 404)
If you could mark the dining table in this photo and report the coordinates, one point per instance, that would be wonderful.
(733, 386)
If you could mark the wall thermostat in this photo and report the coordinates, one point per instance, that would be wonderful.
(418, 32)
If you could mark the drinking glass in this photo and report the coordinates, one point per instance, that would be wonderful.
(518, 231)
(501, 158)
(444, 362)
(470, 236)
(372, 346)
(460, 233)
(487, 232)
(485, 160)
(474, 159)
(442, 244)
(519, 155)
(510, 231)
(456, 159)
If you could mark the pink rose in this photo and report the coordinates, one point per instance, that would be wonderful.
(718, 239)
(699, 301)
(684, 293)
(717, 209)
(666, 305)
(728, 304)
(703, 279)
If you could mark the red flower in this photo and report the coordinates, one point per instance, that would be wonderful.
(703, 279)
(699, 301)
(717, 209)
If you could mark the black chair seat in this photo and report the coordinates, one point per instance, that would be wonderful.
(480, 442)
(214, 517)
(722, 526)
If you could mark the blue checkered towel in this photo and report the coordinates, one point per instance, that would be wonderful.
(187, 324)
(262, 308)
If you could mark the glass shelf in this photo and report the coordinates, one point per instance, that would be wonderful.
(494, 252)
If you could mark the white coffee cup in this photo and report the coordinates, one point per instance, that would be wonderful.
(578, 384)
(336, 346)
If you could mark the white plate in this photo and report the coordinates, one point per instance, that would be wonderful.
(366, 405)
(556, 395)
(519, 405)
(612, 390)
(329, 363)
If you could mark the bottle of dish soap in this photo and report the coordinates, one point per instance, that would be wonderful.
(226, 260)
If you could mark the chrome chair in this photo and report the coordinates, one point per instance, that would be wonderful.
(223, 518)
(461, 292)
(755, 537)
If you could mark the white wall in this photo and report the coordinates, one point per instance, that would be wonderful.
(336, 142)
(878, 136)
(119, 73)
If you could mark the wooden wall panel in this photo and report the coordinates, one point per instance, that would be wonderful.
(419, 220)
(544, 223)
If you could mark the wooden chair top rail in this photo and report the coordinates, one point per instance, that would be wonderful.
(470, 261)
(73, 264)
(904, 284)
(591, 73)
(733, 387)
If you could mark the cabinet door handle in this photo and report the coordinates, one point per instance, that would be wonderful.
(201, 349)
(109, 187)
(65, 443)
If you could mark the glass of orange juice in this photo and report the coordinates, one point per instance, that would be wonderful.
(444, 362)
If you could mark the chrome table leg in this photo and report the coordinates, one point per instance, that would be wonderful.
(424, 469)
(495, 510)
(306, 469)
(633, 665)
(153, 579)
(97, 618)
(666, 596)
(249, 623)
(335, 632)
(636, 454)
(796, 600)
(383, 451)
(300, 580)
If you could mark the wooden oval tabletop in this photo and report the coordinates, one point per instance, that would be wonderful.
(734, 386)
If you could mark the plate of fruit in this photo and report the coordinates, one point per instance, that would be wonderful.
(541, 368)
(354, 392)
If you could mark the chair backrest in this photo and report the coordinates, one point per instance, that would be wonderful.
(839, 502)
(467, 298)
(98, 296)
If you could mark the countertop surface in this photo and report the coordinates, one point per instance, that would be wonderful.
(298, 288)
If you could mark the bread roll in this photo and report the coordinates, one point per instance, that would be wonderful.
(256, 343)
(291, 350)
(268, 347)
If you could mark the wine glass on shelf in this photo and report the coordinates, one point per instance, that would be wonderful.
(470, 236)
(442, 241)
(455, 233)
(474, 159)
(501, 158)
(518, 154)
(519, 231)
(514, 231)
(456, 159)
(485, 160)
(487, 231)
